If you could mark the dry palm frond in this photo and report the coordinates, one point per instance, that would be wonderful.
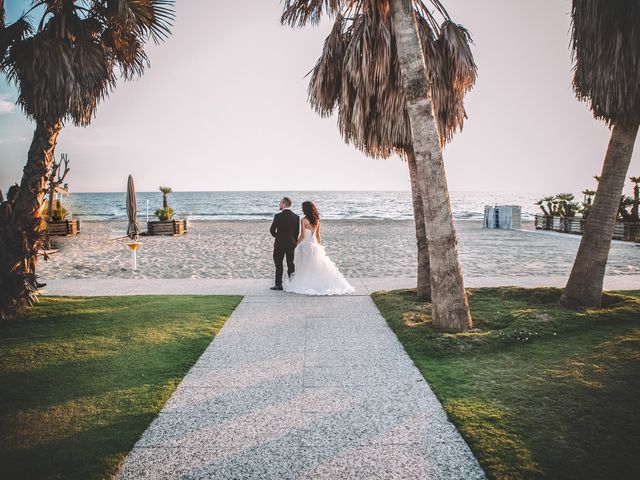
(452, 75)
(324, 85)
(298, 13)
(358, 74)
(606, 53)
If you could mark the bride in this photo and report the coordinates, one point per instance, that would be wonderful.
(315, 273)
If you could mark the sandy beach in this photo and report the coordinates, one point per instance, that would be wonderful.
(361, 248)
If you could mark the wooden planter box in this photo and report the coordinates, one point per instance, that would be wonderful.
(64, 228)
(167, 227)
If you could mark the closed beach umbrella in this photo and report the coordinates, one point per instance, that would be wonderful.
(132, 211)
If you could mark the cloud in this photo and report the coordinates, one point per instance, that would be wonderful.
(5, 105)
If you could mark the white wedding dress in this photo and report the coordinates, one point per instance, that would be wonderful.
(315, 272)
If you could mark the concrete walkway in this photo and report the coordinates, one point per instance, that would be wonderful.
(213, 286)
(302, 387)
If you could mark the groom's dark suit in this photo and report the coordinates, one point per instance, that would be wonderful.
(285, 228)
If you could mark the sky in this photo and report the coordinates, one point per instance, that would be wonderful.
(224, 107)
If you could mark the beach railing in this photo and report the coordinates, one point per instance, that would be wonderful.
(575, 225)
(632, 231)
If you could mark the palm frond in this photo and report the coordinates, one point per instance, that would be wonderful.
(359, 76)
(453, 73)
(324, 85)
(70, 63)
(150, 18)
(605, 40)
(11, 34)
(298, 13)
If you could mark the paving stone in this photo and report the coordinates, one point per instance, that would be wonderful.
(357, 375)
(371, 462)
(362, 357)
(274, 460)
(231, 379)
(413, 397)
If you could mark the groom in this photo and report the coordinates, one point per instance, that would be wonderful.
(285, 228)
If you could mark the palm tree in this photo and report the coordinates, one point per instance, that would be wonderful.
(566, 206)
(371, 109)
(636, 198)
(587, 196)
(605, 43)
(165, 192)
(623, 214)
(361, 73)
(540, 203)
(63, 65)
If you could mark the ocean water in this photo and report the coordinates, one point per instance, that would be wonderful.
(374, 205)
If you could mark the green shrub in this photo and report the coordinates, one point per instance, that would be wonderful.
(164, 214)
(58, 213)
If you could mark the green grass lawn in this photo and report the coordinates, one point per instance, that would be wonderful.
(83, 377)
(536, 390)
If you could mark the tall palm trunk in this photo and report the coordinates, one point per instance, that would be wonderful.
(450, 309)
(23, 241)
(424, 273)
(584, 287)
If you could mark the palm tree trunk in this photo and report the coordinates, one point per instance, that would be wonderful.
(450, 309)
(584, 287)
(22, 232)
(424, 273)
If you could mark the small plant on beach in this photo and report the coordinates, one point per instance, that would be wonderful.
(58, 212)
(551, 205)
(623, 213)
(566, 206)
(164, 214)
(165, 196)
(587, 202)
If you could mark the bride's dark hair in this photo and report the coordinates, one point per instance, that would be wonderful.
(311, 212)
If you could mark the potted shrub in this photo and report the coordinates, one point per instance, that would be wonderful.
(57, 223)
(166, 224)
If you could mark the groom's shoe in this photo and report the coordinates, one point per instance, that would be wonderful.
(276, 287)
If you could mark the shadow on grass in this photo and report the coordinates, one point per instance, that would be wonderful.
(85, 376)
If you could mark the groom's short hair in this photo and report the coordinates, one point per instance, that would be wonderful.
(286, 201)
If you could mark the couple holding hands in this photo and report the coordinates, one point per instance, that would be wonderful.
(310, 270)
